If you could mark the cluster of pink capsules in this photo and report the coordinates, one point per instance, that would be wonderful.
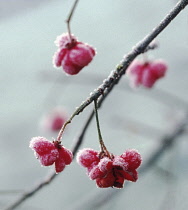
(110, 171)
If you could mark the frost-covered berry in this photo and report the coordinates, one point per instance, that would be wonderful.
(105, 164)
(120, 163)
(65, 154)
(65, 158)
(72, 55)
(49, 153)
(44, 150)
(54, 120)
(96, 173)
(87, 157)
(148, 78)
(133, 158)
(158, 67)
(59, 165)
(134, 73)
(146, 73)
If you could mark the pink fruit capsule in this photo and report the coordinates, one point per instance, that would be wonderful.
(45, 150)
(87, 156)
(54, 120)
(133, 158)
(146, 74)
(72, 55)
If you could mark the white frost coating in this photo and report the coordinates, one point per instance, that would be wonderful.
(132, 157)
(133, 154)
(47, 160)
(120, 162)
(36, 141)
(104, 164)
(42, 146)
(63, 39)
(44, 150)
(86, 156)
(95, 173)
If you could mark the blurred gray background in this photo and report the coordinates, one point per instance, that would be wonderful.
(30, 87)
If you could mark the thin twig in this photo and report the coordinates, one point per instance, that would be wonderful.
(161, 96)
(70, 17)
(52, 175)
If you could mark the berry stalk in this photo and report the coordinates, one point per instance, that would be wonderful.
(70, 17)
(101, 142)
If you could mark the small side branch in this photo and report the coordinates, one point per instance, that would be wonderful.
(140, 48)
(52, 175)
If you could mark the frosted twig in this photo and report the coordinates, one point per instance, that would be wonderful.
(120, 70)
(105, 88)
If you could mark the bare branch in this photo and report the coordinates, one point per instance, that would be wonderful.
(103, 90)
(116, 75)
